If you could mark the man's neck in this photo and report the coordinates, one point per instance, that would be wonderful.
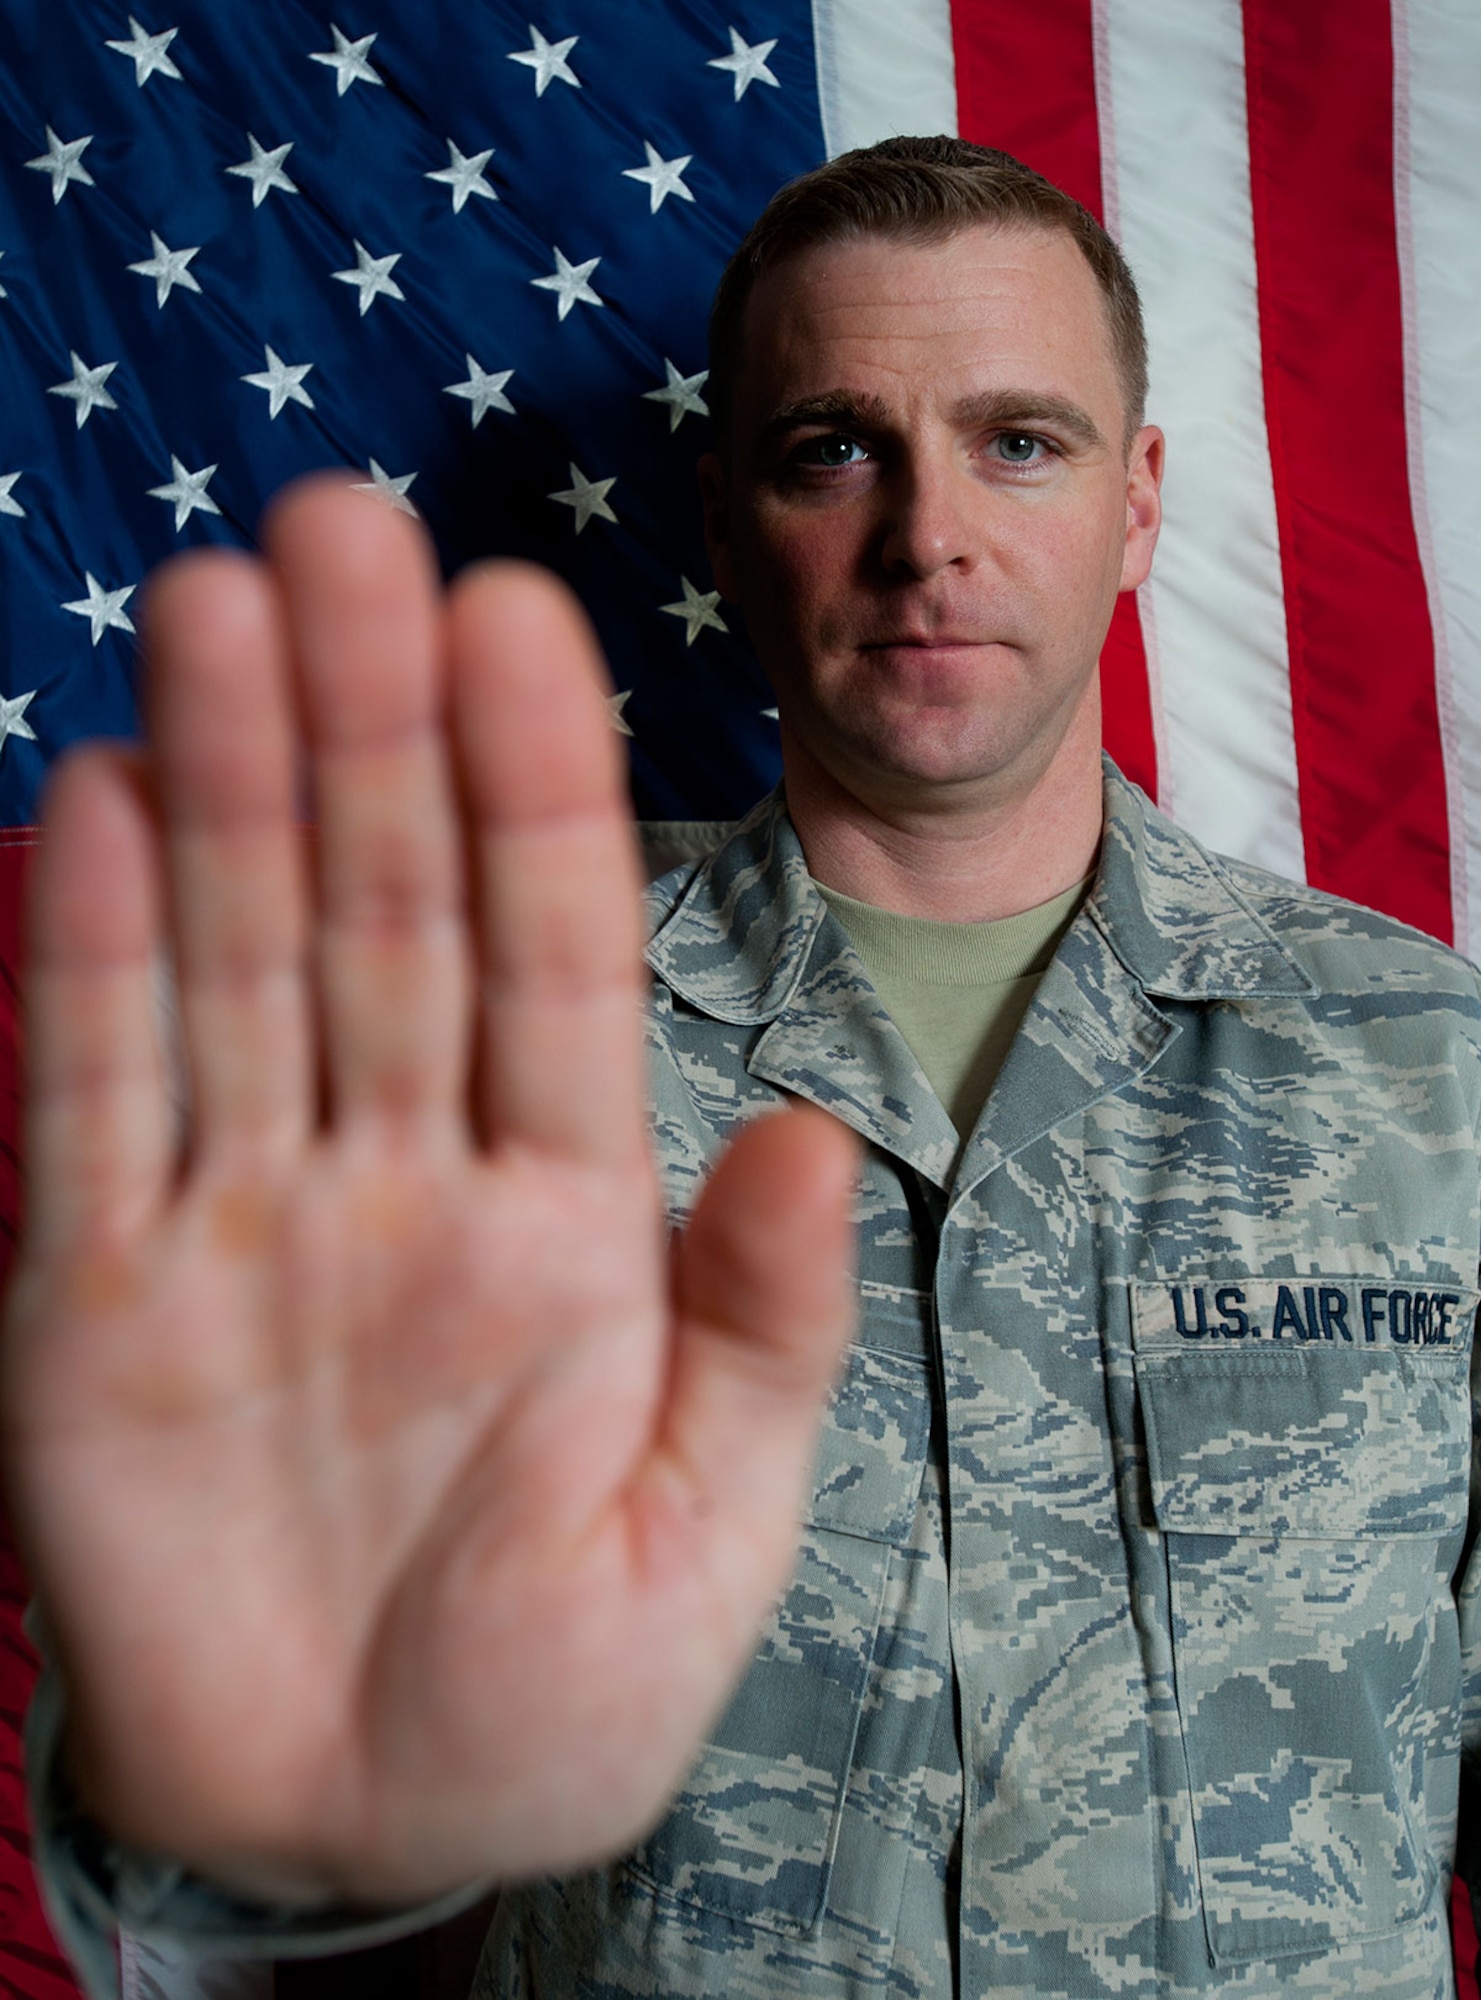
(959, 862)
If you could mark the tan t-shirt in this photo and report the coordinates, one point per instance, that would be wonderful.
(957, 992)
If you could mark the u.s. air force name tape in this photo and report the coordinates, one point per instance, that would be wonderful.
(1338, 1311)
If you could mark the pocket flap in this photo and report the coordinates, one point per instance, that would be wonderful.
(1306, 1435)
(872, 1450)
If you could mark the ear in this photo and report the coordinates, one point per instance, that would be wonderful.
(1144, 464)
(714, 493)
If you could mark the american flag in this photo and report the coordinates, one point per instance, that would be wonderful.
(466, 253)
(467, 247)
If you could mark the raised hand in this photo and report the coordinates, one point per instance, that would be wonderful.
(401, 1509)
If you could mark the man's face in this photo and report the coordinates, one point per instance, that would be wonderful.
(931, 506)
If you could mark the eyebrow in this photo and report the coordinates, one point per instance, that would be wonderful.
(837, 407)
(991, 409)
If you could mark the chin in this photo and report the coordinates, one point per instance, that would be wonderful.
(908, 772)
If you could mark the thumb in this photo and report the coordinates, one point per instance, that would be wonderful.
(765, 1300)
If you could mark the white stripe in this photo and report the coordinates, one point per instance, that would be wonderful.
(1437, 51)
(1170, 80)
(884, 67)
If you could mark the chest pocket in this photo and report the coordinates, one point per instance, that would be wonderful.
(1311, 1493)
(752, 1835)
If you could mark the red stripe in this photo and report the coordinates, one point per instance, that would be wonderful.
(1368, 750)
(1463, 1938)
(1025, 82)
(1127, 695)
(30, 1963)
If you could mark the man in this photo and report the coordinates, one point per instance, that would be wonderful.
(404, 1509)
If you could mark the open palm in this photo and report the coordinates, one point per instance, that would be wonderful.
(402, 1508)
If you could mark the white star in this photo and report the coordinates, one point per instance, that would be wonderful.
(348, 61)
(265, 171)
(7, 505)
(103, 608)
(167, 268)
(188, 491)
(697, 611)
(13, 717)
(586, 497)
(465, 175)
(662, 176)
(86, 388)
(483, 390)
(747, 61)
(616, 703)
(63, 161)
(373, 276)
(681, 393)
(283, 383)
(570, 281)
(393, 490)
(547, 60)
(148, 53)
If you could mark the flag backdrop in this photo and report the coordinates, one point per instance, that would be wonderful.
(470, 252)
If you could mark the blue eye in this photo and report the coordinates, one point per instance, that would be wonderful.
(1017, 447)
(831, 451)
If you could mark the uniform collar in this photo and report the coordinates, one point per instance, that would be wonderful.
(737, 943)
(1172, 914)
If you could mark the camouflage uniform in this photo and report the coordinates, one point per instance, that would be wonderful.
(1123, 1655)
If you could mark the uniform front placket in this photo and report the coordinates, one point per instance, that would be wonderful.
(1059, 1867)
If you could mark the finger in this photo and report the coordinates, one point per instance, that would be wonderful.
(557, 886)
(765, 1294)
(99, 1145)
(221, 713)
(361, 591)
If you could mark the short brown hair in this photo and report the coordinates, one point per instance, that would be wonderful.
(918, 191)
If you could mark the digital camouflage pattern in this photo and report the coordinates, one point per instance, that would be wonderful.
(1124, 1655)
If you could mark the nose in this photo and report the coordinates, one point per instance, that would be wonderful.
(929, 519)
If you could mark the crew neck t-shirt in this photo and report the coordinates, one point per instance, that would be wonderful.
(957, 992)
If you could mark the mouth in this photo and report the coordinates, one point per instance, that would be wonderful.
(925, 642)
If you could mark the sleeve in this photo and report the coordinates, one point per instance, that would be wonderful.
(93, 1887)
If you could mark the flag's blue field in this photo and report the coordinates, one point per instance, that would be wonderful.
(467, 252)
